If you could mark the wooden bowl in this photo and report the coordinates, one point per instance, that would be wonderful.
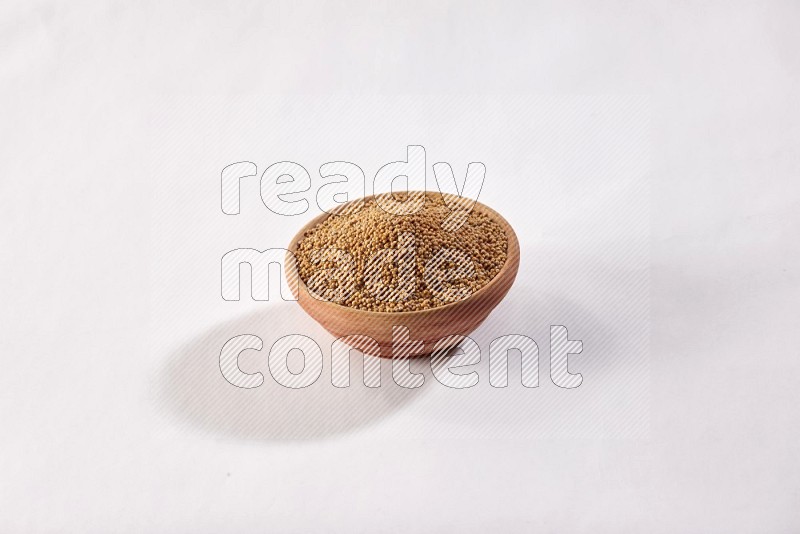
(429, 326)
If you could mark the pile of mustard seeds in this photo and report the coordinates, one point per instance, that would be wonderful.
(340, 259)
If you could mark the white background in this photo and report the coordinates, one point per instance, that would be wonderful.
(116, 123)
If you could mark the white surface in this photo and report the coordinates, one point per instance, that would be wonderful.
(97, 319)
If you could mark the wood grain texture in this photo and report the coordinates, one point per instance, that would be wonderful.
(457, 318)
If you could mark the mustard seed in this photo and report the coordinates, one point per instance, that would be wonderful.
(373, 260)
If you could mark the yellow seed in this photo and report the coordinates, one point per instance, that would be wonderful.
(371, 229)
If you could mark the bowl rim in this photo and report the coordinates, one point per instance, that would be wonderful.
(511, 236)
